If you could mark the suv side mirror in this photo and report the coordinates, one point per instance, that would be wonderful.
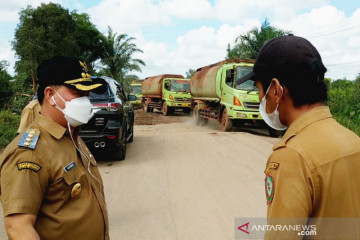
(131, 97)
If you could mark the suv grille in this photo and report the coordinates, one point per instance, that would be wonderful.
(251, 105)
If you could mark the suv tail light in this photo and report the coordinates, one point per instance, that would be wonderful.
(114, 106)
(100, 105)
(107, 106)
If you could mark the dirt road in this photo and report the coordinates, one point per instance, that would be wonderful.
(184, 182)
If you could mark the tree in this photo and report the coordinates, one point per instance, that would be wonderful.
(89, 40)
(248, 45)
(190, 73)
(118, 58)
(51, 30)
(42, 33)
(5, 87)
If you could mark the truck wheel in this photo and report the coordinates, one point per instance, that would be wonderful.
(275, 133)
(166, 110)
(226, 122)
(187, 110)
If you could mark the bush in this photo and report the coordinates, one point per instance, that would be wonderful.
(9, 123)
(344, 103)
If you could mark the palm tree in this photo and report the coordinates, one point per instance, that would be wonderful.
(248, 45)
(118, 58)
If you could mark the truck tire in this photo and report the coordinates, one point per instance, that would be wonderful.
(187, 110)
(275, 133)
(226, 122)
(166, 110)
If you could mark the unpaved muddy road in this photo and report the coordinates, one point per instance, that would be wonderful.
(184, 182)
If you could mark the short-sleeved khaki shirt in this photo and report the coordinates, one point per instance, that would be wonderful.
(54, 182)
(29, 114)
(313, 171)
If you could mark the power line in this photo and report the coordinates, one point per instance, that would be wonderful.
(336, 27)
(329, 33)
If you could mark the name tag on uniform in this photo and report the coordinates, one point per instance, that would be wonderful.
(70, 166)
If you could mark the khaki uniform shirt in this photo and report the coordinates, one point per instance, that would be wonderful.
(314, 171)
(54, 182)
(29, 114)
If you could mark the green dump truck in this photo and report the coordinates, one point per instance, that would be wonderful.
(216, 96)
(135, 88)
(167, 93)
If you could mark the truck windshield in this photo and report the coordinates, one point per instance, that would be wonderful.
(136, 89)
(180, 86)
(248, 85)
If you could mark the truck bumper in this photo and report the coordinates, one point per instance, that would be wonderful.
(180, 104)
(245, 115)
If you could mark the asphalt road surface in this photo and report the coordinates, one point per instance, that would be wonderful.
(184, 182)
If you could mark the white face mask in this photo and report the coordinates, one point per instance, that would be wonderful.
(271, 119)
(78, 111)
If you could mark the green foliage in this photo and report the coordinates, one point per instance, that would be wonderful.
(42, 33)
(5, 85)
(89, 40)
(21, 95)
(190, 73)
(9, 123)
(118, 57)
(51, 30)
(248, 45)
(344, 102)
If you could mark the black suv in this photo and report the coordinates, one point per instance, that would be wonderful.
(112, 126)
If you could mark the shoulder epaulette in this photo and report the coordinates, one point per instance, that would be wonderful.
(29, 138)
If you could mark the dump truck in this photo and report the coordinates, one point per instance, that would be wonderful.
(135, 88)
(216, 96)
(167, 93)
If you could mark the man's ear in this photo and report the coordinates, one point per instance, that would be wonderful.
(48, 94)
(279, 91)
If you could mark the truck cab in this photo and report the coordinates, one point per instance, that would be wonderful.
(217, 97)
(135, 88)
(176, 95)
(241, 102)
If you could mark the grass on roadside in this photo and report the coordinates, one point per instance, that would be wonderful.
(9, 123)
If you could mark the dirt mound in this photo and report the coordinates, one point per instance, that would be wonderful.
(145, 118)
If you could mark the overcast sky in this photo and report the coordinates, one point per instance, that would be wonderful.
(177, 35)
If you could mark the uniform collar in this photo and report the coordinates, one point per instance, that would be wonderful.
(56, 130)
(301, 122)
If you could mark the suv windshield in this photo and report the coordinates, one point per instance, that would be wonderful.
(248, 85)
(180, 86)
(136, 89)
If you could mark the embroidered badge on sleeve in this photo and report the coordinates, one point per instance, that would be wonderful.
(269, 188)
(29, 165)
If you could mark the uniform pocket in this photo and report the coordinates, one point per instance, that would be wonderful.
(76, 183)
(73, 176)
